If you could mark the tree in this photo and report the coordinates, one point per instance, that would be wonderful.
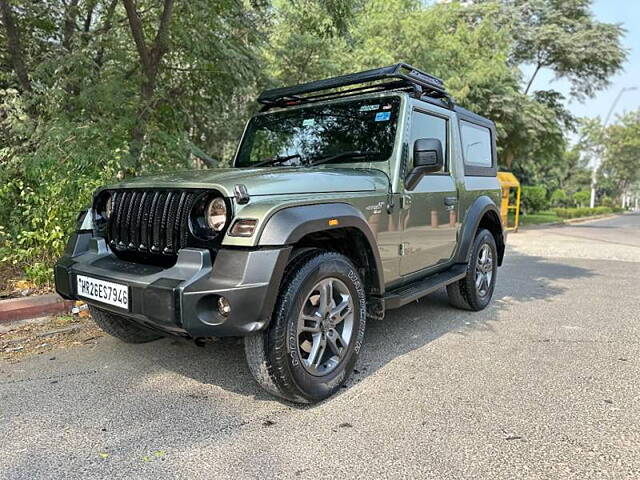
(14, 45)
(581, 199)
(151, 56)
(621, 163)
(559, 198)
(565, 37)
(89, 88)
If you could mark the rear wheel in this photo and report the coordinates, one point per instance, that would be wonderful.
(121, 327)
(475, 290)
(314, 338)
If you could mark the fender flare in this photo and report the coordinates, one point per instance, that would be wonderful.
(472, 218)
(291, 224)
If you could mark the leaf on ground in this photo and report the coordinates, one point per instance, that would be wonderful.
(103, 455)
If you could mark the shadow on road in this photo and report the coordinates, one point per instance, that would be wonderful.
(411, 327)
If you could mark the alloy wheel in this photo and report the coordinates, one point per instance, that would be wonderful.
(484, 270)
(325, 326)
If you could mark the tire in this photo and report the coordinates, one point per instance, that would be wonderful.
(483, 262)
(121, 327)
(288, 358)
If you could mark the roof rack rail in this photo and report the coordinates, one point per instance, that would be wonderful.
(400, 76)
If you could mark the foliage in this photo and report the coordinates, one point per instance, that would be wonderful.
(622, 153)
(559, 198)
(91, 90)
(579, 212)
(534, 199)
(581, 198)
(565, 37)
(539, 218)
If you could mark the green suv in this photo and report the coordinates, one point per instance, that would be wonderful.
(347, 197)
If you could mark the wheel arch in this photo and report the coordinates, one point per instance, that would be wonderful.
(337, 227)
(483, 213)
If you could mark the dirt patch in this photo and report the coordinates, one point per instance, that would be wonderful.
(46, 336)
(12, 286)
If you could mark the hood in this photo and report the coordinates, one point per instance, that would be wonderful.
(269, 181)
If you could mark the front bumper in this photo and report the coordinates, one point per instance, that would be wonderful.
(182, 300)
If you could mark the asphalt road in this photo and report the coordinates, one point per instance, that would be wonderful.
(543, 384)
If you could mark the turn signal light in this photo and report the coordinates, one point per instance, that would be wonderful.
(243, 227)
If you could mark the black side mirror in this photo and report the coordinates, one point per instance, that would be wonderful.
(427, 158)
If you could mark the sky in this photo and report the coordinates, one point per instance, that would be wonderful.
(626, 12)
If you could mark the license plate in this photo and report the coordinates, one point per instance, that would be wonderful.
(105, 292)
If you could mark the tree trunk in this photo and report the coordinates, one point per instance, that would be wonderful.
(508, 159)
(535, 73)
(150, 60)
(69, 28)
(14, 46)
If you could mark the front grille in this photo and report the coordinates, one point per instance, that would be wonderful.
(150, 223)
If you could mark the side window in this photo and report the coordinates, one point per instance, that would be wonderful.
(424, 125)
(476, 145)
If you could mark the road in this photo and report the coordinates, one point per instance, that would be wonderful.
(543, 384)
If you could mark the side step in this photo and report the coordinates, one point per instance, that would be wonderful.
(409, 293)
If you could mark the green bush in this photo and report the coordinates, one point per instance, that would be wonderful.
(606, 201)
(559, 198)
(534, 199)
(581, 198)
(580, 212)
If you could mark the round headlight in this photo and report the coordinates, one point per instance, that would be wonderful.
(215, 214)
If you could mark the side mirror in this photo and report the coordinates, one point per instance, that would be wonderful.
(427, 158)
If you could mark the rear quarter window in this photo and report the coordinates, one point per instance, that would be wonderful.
(476, 145)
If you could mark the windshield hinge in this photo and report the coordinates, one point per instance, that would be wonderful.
(241, 194)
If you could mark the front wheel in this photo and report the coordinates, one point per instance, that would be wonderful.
(312, 343)
(475, 290)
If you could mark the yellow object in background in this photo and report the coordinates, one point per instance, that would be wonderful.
(507, 182)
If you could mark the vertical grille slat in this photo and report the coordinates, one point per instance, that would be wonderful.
(131, 222)
(170, 226)
(156, 243)
(184, 220)
(113, 221)
(150, 225)
(124, 213)
(177, 225)
(137, 222)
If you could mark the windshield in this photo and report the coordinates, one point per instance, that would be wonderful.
(352, 131)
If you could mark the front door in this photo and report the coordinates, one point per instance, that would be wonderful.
(430, 210)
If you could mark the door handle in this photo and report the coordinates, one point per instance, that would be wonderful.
(450, 201)
(405, 202)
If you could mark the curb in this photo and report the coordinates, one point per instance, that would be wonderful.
(32, 307)
(568, 221)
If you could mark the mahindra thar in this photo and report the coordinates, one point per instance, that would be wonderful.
(347, 197)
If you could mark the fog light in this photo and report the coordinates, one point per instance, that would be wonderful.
(223, 306)
(243, 227)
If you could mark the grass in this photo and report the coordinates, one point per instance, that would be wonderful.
(536, 218)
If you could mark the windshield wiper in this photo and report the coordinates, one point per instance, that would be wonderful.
(341, 156)
(274, 160)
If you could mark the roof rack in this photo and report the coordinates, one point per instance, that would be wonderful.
(394, 77)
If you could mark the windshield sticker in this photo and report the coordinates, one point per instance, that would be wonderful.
(383, 116)
(369, 108)
(307, 122)
(387, 107)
